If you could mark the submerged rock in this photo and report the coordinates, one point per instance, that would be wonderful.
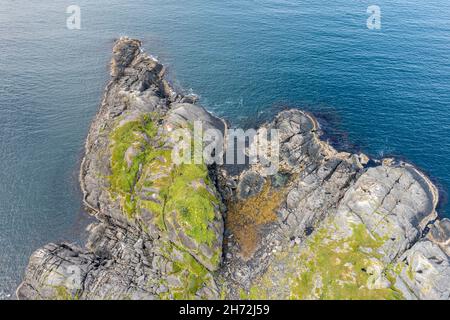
(326, 226)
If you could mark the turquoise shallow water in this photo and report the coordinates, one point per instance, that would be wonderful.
(384, 92)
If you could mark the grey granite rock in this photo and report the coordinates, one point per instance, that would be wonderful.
(425, 272)
(375, 227)
(131, 257)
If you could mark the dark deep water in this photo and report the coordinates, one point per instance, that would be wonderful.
(384, 92)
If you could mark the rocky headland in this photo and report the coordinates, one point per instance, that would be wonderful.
(328, 225)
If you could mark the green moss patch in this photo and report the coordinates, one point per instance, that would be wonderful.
(62, 293)
(340, 269)
(126, 168)
(135, 133)
(189, 276)
(189, 197)
(185, 189)
(329, 267)
(153, 191)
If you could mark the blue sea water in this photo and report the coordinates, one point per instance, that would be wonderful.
(385, 92)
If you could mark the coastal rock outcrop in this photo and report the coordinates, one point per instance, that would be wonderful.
(151, 241)
(324, 225)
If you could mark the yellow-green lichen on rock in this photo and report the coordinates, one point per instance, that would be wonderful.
(330, 266)
(178, 202)
(63, 293)
(186, 278)
(130, 152)
(188, 195)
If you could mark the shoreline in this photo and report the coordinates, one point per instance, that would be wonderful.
(349, 178)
